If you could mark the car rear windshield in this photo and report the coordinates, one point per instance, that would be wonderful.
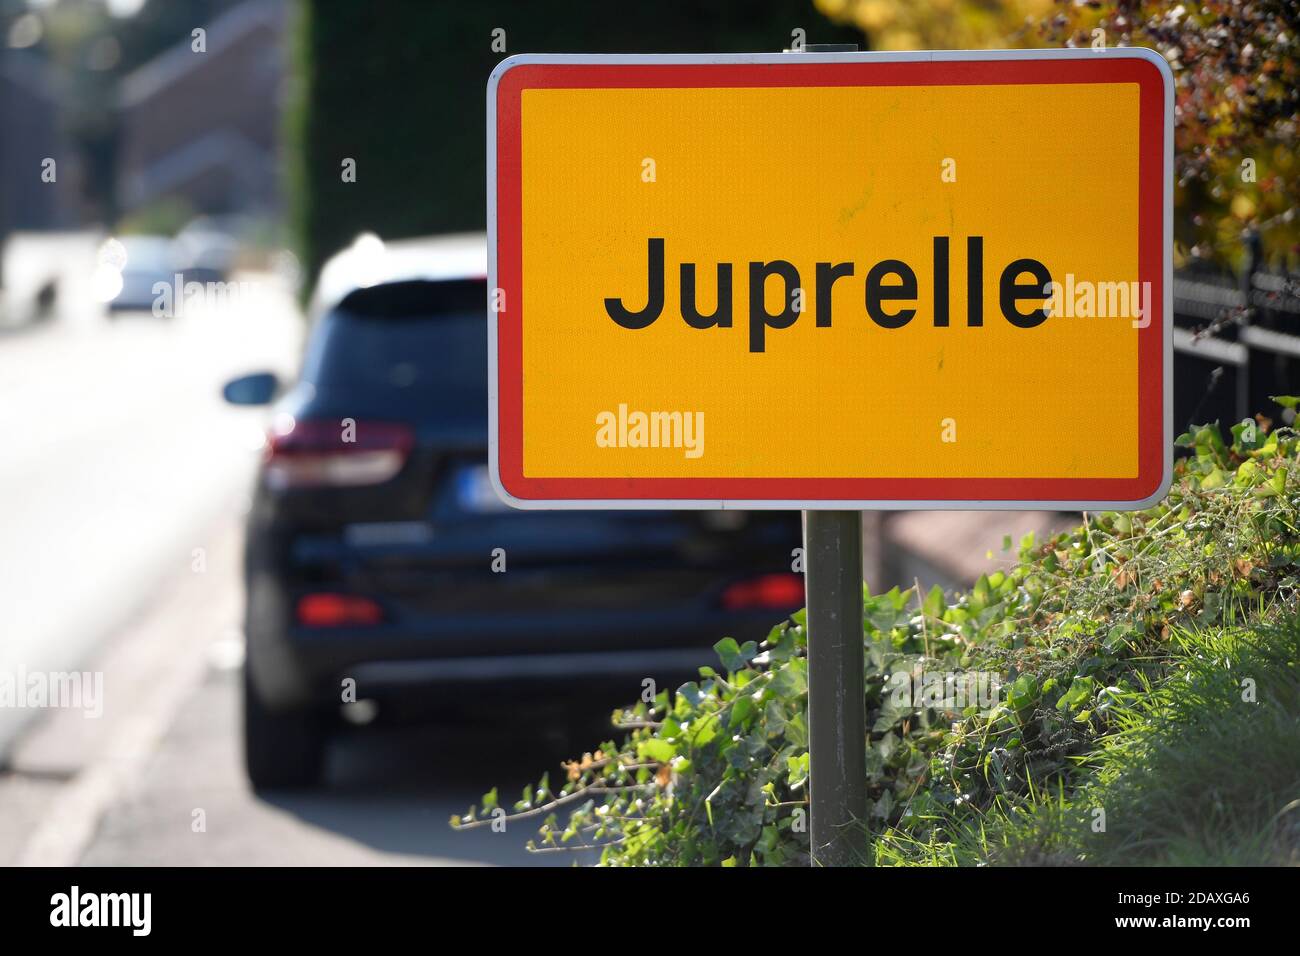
(422, 342)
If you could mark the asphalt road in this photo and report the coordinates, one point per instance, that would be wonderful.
(120, 466)
(117, 453)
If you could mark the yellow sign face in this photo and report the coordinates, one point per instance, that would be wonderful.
(856, 282)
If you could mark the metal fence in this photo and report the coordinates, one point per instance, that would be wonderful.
(1236, 342)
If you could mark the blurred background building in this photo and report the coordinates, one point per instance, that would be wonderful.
(215, 154)
(31, 121)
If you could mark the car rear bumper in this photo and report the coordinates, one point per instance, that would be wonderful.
(531, 668)
(495, 652)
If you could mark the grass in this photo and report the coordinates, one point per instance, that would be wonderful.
(1203, 769)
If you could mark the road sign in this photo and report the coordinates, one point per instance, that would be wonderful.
(831, 281)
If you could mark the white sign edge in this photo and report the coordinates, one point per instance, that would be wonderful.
(818, 504)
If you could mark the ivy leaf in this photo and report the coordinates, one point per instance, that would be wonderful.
(690, 692)
(1215, 479)
(1275, 486)
(1080, 692)
(796, 730)
(742, 711)
(774, 717)
(797, 770)
(656, 749)
(1023, 692)
(791, 679)
(735, 656)
(702, 731)
(933, 606)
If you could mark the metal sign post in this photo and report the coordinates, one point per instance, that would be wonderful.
(837, 718)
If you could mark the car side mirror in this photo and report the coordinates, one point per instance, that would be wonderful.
(256, 389)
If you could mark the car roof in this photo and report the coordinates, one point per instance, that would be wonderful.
(370, 261)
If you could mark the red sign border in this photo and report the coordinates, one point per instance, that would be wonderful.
(517, 74)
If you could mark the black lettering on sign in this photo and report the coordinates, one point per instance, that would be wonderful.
(891, 291)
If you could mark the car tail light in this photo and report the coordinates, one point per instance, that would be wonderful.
(337, 610)
(306, 454)
(771, 591)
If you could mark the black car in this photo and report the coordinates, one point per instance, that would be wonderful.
(378, 552)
